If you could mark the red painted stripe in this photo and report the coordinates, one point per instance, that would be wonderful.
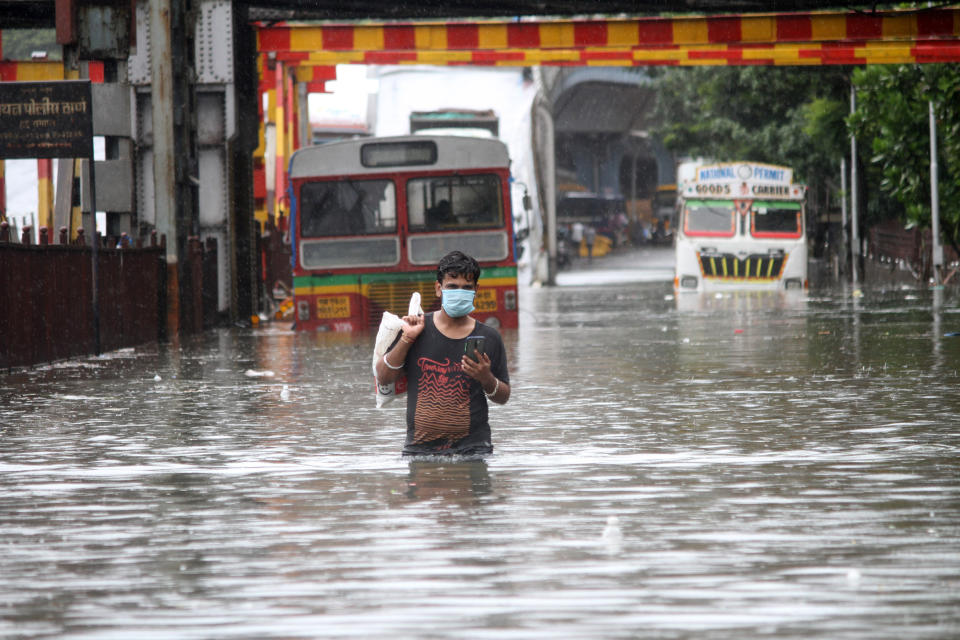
(794, 28)
(325, 72)
(8, 71)
(655, 32)
(724, 54)
(463, 36)
(274, 39)
(259, 182)
(590, 34)
(95, 71)
(929, 52)
(292, 56)
(935, 23)
(317, 87)
(389, 57)
(399, 37)
(606, 55)
(838, 54)
(723, 30)
(861, 26)
(492, 57)
(523, 35)
(338, 38)
(44, 169)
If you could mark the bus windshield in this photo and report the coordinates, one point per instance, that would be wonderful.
(454, 202)
(709, 218)
(776, 219)
(347, 208)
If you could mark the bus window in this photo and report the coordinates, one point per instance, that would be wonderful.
(709, 218)
(454, 202)
(776, 220)
(347, 208)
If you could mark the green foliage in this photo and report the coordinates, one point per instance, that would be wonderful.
(782, 115)
(799, 117)
(790, 116)
(893, 115)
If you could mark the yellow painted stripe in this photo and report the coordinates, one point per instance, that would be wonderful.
(492, 36)
(758, 29)
(306, 39)
(622, 34)
(556, 34)
(327, 290)
(368, 38)
(828, 27)
(442, 57)
(899, 27)
(690, 31)
(430, 37)
(39, 71)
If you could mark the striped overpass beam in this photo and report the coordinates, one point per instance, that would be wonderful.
(883, 37)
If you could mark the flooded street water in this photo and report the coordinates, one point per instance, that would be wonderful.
(746, 466)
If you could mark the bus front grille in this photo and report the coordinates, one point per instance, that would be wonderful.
(394, 296)
(727, 266)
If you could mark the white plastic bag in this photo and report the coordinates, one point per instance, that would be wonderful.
(390, 326)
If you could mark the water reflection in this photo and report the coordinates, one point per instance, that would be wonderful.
(461, 482)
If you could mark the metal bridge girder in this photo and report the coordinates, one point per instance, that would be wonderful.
(882, 37)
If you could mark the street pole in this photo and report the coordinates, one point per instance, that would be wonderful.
(854, 235)
(843, 212)
(164, 159)
(546, 147)
(935, 247)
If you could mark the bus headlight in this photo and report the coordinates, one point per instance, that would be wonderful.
(688, 282)
(492, 322)
(792, 283)
(510, 299)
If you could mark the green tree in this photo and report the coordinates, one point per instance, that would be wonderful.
(783, 115)
(892, 121)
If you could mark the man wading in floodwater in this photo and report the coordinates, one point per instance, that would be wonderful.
(448, 388)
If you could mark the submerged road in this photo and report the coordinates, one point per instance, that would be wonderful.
(743, 466)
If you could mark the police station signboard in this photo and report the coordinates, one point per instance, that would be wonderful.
(46, 119)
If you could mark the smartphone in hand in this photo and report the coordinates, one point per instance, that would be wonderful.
(474, 346)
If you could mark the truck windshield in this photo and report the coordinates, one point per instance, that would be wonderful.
(776, 219)
(709, 218)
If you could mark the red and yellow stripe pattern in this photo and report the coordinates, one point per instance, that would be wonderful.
(826, 38)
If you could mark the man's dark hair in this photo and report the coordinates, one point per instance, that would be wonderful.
(457, 263)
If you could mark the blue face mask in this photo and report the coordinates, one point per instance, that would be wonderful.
(457, 302)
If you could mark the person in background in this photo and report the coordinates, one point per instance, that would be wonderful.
(589, 236)
(448, 390)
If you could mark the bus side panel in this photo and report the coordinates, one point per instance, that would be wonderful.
(329, 303)
(497, 296)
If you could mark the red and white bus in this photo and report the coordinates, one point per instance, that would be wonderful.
(372, 217)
